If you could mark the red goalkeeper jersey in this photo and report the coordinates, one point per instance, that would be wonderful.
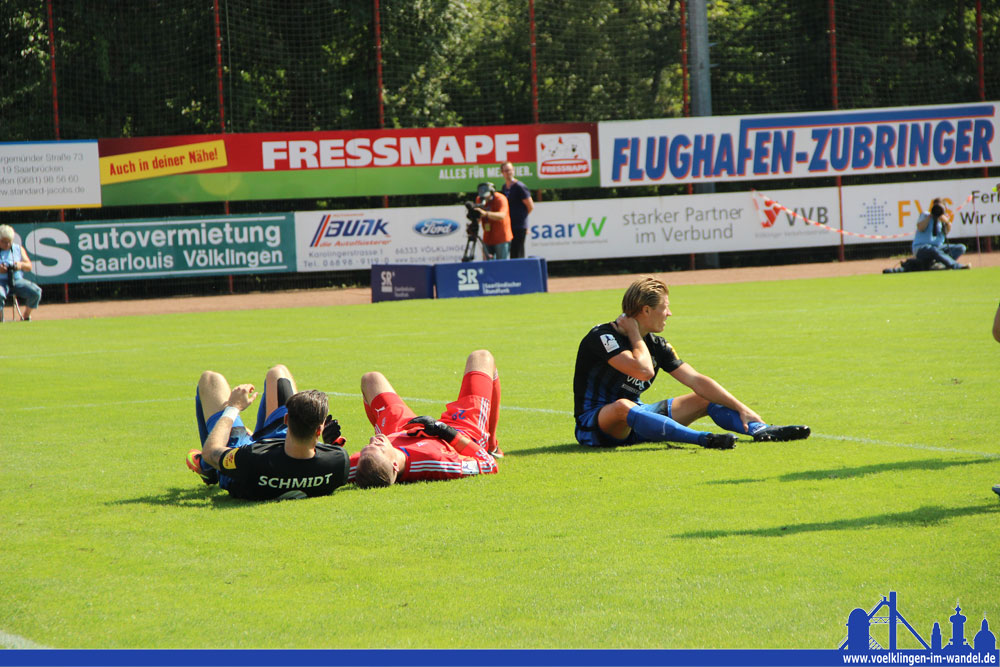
(430, 459)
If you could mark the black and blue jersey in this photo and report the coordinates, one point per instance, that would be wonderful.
(263, 471)
(596, 383)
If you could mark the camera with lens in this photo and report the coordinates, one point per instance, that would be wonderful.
(474, 215)
(473, 211)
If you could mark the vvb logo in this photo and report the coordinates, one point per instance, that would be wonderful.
(331, 227)
(468, 280)
(770, 211)
(436, 227)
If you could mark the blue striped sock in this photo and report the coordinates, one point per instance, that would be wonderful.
(655, 427)
(730, 420)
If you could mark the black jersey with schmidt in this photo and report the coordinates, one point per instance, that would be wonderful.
(596, 383)
(263, 471)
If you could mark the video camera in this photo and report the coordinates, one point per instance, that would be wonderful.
(471, 230)
(474, 213)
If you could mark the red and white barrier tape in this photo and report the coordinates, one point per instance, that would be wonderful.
(772, 208)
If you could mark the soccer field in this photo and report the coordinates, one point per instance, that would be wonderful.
(109, 541)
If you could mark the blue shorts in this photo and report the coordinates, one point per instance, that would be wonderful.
(590, 434)
(238, 436)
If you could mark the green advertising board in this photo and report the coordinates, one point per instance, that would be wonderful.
(343, 163)
(91, 251)
(320, 184)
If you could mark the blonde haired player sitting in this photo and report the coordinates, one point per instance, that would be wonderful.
(617, 361)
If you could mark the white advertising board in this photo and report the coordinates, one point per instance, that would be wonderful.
(798, 145)
(648, 226)
(49, 174)
(348, 240)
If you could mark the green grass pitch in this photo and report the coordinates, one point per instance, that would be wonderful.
(107, 540)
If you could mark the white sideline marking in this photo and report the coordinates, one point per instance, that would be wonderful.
(25, 408)
(517, 408)
(930, 448)
(417, 399)
(14, 641)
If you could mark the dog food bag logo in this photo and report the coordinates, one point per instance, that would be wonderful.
(563, 155)
(436, 227)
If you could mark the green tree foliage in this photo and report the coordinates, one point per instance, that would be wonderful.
(300, 65)
(150, 68)
(25, 85)
(611, 59)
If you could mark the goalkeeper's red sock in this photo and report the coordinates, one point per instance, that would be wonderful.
(494, 412)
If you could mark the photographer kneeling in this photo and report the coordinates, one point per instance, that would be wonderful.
(930, 244)
(495, 219)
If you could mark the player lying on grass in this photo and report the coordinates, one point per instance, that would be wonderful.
(408, 448)
(618, 361)
(282, 458)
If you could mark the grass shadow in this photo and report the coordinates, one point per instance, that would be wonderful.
(858, 471)
(199, 496)
(923, 516)
(205, 497)
(575, 447)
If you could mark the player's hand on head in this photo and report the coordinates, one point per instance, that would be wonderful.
(242, 396)
(626, 324)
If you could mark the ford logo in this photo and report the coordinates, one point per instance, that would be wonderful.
(436, 227)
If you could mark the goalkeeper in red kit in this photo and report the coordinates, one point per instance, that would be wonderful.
(411, 448)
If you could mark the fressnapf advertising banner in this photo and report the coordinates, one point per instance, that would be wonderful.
(317, 165)
(832, 143)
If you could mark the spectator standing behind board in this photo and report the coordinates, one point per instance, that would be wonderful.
(520, 203)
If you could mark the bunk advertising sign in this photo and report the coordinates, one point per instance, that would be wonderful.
(92, 251)
(835, 143)
(318, 165)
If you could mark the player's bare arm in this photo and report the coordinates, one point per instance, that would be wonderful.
(240, 398)
(636, 362)
(713, 392)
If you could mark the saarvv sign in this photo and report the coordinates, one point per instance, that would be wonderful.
(312, 165)
(740, 148)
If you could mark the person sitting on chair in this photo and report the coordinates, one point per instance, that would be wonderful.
(14, 261)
